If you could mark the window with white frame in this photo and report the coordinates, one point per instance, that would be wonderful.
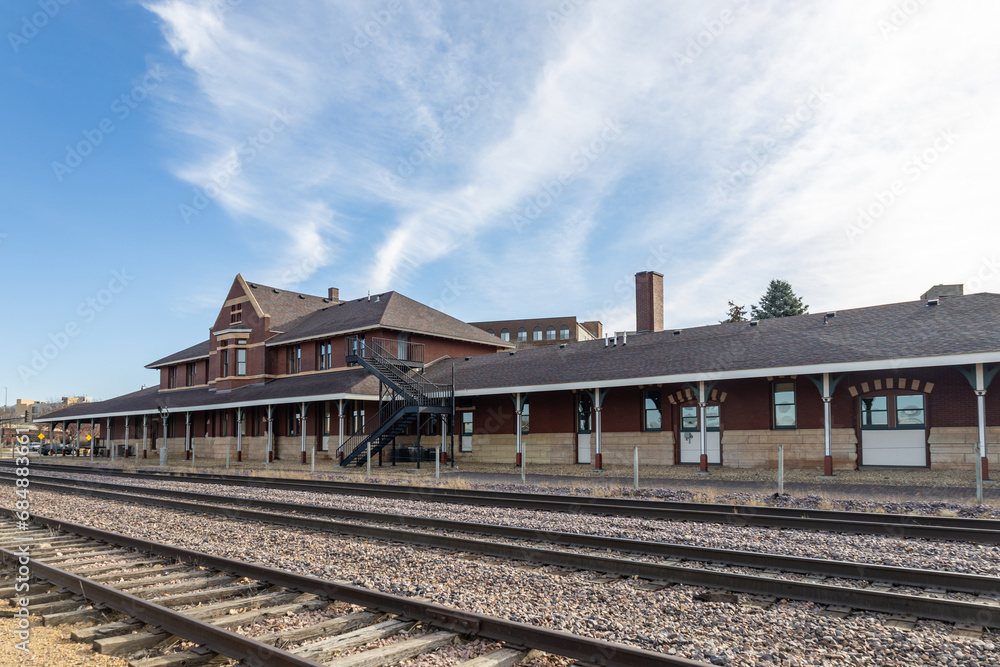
(784, 404)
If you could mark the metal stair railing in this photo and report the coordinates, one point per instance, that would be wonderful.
(376, 355)
(373, 428)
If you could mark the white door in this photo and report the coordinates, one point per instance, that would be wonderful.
(691, 447)
(903, 447)
(325, 447)
(466, 444)
(583, 448)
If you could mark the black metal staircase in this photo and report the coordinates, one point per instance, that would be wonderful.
(404, 394)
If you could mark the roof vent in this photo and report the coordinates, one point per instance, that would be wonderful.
(562, 345)
(832, 314)
(302, 296)
(253, 285)
(378, 298)
(677, 332)
(467, 358)
(754, 323)
(275, 291)
(932, 302)
(511, 353)
(326, 301)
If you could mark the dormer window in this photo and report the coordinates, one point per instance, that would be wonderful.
(236, 313)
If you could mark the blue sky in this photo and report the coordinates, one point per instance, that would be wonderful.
(492, 159)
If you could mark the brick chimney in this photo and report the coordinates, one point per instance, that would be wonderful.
(333, 294)
(648, 301)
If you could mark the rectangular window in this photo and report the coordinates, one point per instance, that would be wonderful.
(689, 418)
(324, 355)
(875, 412)
(652, 411)
(172, 377)
(583, 413)
(225, 363)
(236, 313)
(241, 361)
(243, 422)
(784, 405)
(191, 374)
(327, 418)
(712, 420)
(525, 421)
(294, 359)
(467, 423)
(910, 411)
(293, 422)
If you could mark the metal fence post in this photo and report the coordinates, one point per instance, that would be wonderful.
(635, 466)
(781, 470)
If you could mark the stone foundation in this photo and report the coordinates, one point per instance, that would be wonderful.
(804, 448)
(539, 448)
(953, 448)
(655, 448)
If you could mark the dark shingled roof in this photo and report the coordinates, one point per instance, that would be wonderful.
(390, 310)
(352, 381)
(958, 325)
(284, 306)
(199, 351)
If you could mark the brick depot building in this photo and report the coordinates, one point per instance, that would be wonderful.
(284, 374)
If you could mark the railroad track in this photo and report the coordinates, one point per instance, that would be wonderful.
(897, 525)
(872, 589)
(146, 597)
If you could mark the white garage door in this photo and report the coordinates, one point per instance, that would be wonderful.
(905, 447)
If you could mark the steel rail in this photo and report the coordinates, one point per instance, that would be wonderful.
(967, 530)
(898, 576)
(595, 651)
(220, 640)
(867, 599)
(549, 502)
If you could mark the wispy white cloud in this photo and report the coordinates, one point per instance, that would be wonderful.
(751, 134)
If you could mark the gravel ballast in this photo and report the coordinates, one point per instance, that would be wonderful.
(668, 620)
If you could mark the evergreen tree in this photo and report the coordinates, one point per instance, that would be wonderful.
(778, 301)
(735, 314)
